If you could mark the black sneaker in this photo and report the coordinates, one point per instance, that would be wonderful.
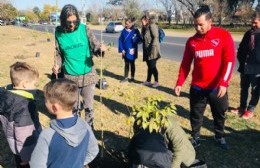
(124, 80)
(222, 142)
(195, 141)
(132, 80)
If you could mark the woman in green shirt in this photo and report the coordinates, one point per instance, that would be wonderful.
(75, 45)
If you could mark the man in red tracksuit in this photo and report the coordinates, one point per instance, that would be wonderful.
(212, 52)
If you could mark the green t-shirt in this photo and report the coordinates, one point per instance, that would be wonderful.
(74, 47)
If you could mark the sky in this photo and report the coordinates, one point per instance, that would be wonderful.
(30, 4)
(87, 4)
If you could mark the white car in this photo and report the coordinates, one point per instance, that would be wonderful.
(114, 27)
(2, 23)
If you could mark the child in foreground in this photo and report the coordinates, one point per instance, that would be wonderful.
(69, 142)
(18, 112)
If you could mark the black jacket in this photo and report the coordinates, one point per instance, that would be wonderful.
(248, 57)
(20, 121)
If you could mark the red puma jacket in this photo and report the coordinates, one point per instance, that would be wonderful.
(213, 57)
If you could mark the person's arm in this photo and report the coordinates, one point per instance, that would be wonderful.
(184, 68)
(155, 34)
(39, 158)
(58, 58)
(96, 48)
(92, 150)
(120, 44)
(228, 59)
(183, 151)
(172, 138)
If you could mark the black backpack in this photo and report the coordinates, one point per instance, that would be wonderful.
(150, 150)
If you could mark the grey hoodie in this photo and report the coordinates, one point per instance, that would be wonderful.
(68, 143)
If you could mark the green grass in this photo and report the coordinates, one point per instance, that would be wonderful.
(112, 111)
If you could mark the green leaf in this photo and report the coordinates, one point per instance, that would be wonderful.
(139, 122)
(145, 125)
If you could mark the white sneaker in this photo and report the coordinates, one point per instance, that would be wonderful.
(155, 84)
(147, 83)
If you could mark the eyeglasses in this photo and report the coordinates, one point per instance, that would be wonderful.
(70, 22)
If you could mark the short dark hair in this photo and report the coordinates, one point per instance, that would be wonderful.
(203, 10)
(67, 11)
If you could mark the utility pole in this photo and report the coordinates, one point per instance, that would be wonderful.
(56, 18)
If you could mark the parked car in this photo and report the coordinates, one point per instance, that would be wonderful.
(2, 23)
(113, 27)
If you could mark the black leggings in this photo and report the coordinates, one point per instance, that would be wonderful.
(129, 63)
(152, 70)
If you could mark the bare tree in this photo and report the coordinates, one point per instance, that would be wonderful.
(191, 6)
(132, 8)
(169, 8)
(246, 11)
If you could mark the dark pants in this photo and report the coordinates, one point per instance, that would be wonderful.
(198, 103)
(245, 81)
(18, 161)
(129, 63)
(152, 70)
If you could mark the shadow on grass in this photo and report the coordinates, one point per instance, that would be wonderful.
(207, 123)
(114, 153)
(40, 102)
(161, 88)
(114, 106)
(243, 150)
(111, 74)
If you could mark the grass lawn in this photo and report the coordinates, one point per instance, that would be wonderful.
(112, 105)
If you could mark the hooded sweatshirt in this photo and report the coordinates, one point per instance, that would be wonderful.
(69, 143)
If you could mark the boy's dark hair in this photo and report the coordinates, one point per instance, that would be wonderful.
(67, 11)
(21, 71)
(61, 91)
(203, 10)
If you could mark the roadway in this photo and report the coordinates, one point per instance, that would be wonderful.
(172, 47)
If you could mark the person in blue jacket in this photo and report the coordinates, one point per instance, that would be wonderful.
(128, 46)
